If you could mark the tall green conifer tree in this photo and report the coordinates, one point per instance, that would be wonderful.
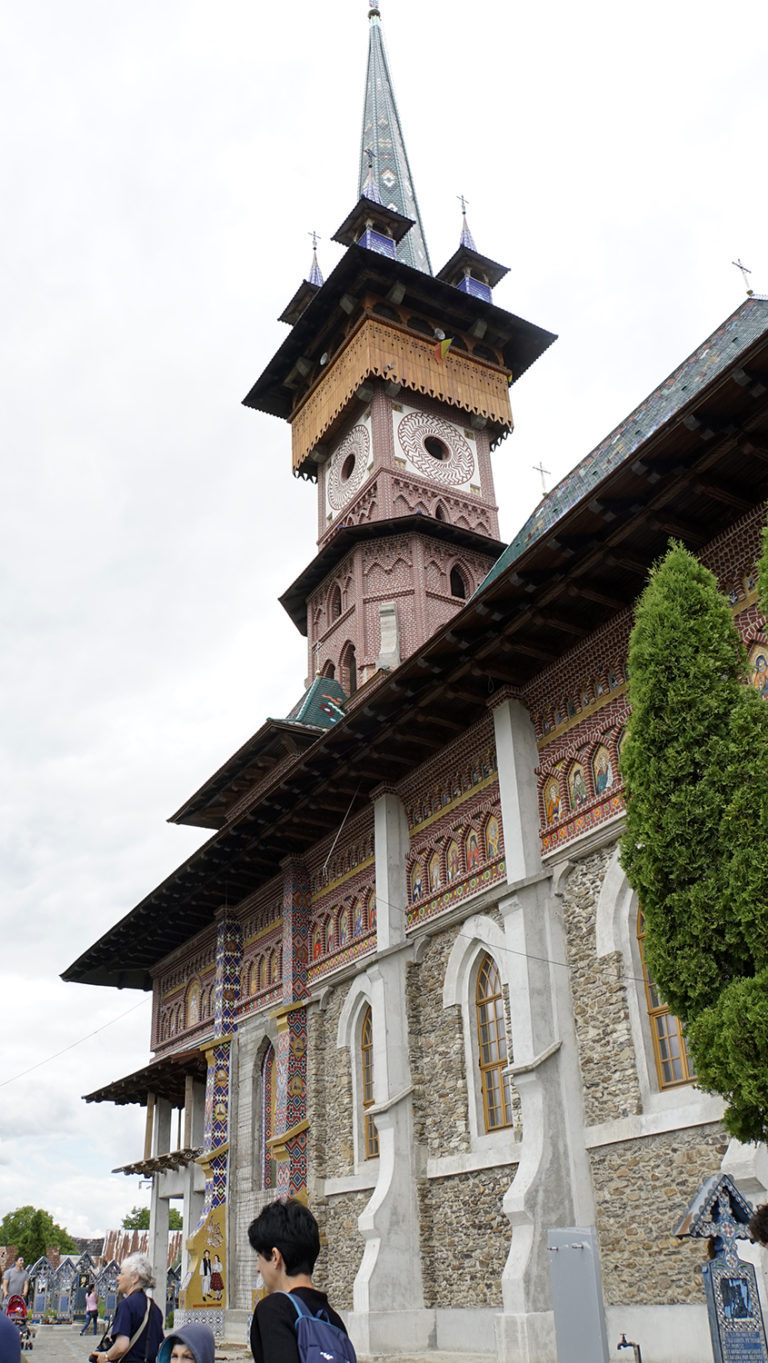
(695, 766)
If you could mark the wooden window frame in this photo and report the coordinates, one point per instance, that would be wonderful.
(492, 1055)
(370, 1134)
(667, 1031)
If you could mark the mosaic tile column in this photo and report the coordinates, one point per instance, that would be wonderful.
(229, 956)
(204, 1290)
(289, 1144)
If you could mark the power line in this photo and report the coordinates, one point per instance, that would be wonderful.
(72, 1045)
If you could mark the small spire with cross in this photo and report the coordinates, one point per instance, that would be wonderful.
(744, 272)
(315, 276)
(466, 236)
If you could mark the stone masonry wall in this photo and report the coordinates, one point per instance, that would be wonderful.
(341, 1246)
(643, 1189)
(465, 1237)
(438, 1072)
(599, 989)
(329, 1094)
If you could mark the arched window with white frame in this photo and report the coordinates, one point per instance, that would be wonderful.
(370, 1134)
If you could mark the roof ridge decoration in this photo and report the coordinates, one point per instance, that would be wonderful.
(384, 168)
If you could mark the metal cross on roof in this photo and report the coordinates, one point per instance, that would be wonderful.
(744, 272)
(539, 468)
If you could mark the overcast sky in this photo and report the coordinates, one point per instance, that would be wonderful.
(164, 163)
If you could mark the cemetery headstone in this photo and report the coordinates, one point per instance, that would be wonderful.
(720, 1214)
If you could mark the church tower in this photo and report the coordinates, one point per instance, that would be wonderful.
(396, 385)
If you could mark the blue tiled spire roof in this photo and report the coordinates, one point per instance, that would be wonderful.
(315, 274)
(747, 324)
(466, 236)
(384, 165)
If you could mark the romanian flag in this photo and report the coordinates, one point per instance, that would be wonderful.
(442, 348)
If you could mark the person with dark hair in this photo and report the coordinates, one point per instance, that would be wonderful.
(91, 1309)
(15, 1280)
(758, 1225)
(286, 1239)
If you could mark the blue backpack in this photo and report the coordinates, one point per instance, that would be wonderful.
(319, 1341)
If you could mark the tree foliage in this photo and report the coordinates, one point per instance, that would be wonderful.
(695, 766)
(138, 1219)
(32, 1231)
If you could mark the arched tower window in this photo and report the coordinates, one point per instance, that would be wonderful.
(492, 1046)
(458, 585)
(349, 669)
(334, 603)
(370, 1134)
(329, 670)
(673, 1063)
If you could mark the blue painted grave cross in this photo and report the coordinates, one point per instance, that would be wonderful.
(720, 1214)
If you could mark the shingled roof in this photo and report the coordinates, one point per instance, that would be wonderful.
(736, 335)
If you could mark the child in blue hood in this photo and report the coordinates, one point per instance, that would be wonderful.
(190, 1344)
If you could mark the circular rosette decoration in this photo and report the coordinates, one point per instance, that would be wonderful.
(437, 449)
(348, 466)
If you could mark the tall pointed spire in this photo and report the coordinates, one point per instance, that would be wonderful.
(315, 276)
(384, 168)
(466, 236)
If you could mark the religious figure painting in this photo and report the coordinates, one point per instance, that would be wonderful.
(434, 872)
(452, 860)
(193, 1003)
(472, 849)
(759, 663)
(417, 881)
(492, 836)
(603, 770)
(317, 941)
(577, 786)
(372, 911)
(552, 800)
(358, 917)
(343, 927)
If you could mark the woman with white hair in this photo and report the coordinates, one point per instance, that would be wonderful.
(137, 1330)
